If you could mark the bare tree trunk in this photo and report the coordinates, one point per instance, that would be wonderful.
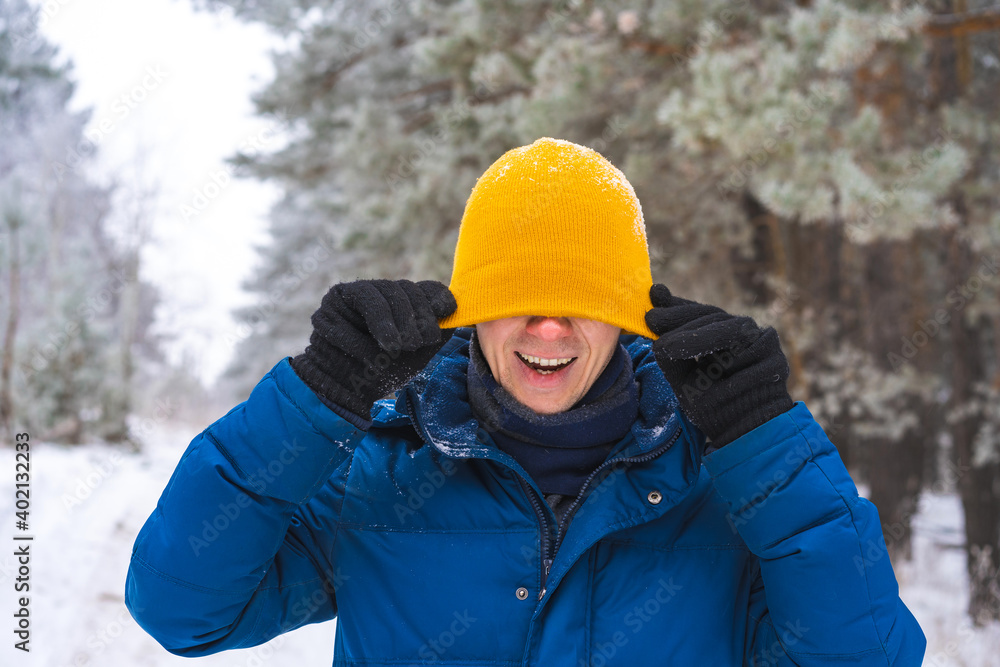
(752, 273)
(137, 211)
(963, 51)
(10, 334)
(896, 474)
(129, 326)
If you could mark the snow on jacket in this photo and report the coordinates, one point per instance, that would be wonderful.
(430, 545)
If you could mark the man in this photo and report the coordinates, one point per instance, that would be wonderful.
(597, 473)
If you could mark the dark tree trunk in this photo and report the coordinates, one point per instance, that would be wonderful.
(896, 465)
(979, 487)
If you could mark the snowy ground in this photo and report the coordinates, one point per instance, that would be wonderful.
(934, 586)
(88, 504)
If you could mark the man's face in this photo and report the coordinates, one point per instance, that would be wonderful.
(547, 363)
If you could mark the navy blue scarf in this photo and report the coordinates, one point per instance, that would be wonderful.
(558, 451)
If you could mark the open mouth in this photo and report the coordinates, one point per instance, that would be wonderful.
(544, 366)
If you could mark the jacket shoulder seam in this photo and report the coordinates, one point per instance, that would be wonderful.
(298, 408)
(305, 416)
(762, 451)
(255, 485)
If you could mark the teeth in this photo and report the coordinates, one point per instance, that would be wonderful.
(546, 362)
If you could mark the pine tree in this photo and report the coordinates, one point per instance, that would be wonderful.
(393, 110)
(825, 167)
(60, 270)
(846, 132)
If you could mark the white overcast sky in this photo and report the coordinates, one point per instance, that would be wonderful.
(174, 85)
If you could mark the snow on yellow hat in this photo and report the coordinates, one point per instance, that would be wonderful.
(552, 229)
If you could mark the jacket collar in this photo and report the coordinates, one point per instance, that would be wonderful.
(437, 402)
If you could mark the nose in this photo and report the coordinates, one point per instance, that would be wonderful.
(549, 328)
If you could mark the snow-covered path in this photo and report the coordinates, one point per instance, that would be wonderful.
(88, 504)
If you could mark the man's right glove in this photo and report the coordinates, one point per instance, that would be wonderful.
(371, 337)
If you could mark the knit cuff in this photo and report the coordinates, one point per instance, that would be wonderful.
(347, 404)
(752, 418)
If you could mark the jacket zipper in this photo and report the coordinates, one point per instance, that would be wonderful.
(418, 426)
(548, 556)
(533, 497)
(543, 525)
(571, 510)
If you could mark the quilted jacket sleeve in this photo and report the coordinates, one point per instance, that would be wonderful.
(237, 549)
(828, 593)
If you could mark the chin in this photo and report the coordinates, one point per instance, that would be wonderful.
(546, 406)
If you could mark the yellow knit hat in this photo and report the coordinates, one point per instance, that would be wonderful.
(552, 229)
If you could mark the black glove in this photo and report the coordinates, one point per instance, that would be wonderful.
(370, 337)
(728, 373)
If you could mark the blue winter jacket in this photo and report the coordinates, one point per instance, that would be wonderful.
(430, 545)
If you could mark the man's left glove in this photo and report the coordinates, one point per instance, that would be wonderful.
(728, 374)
